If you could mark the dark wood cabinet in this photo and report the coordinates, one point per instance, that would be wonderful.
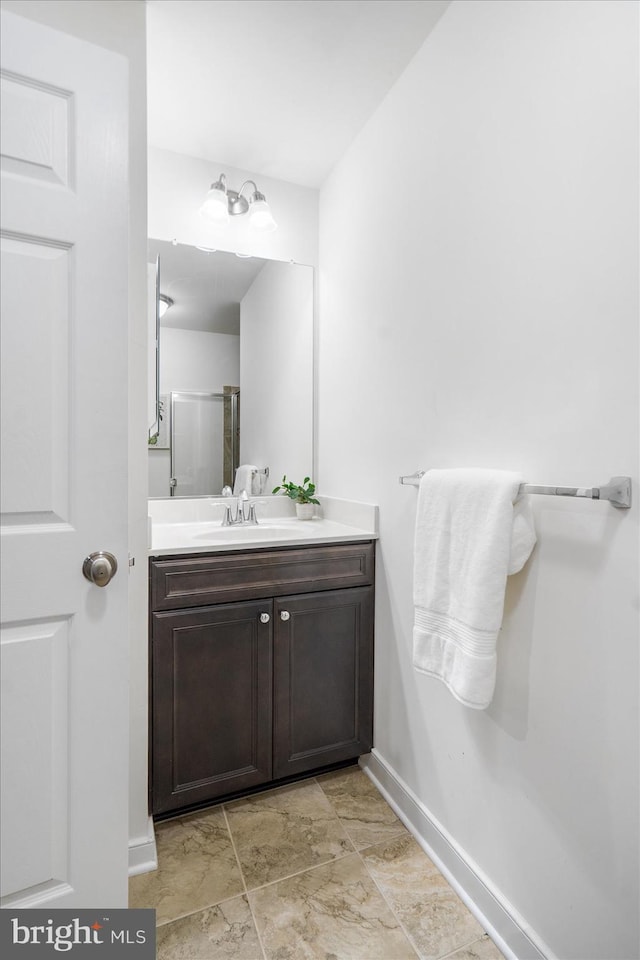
(323, 679)
(272, 684)
(212, 703)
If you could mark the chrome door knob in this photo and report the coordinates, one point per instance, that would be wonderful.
(284, 615)
(100, 568)
(264, 618)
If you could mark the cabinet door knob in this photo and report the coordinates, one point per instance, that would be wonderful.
(284, 615)
(264, 618)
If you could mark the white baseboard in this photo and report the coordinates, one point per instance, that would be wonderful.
(143, 856)
(510, 932)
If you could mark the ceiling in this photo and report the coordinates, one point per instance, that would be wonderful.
(206, 287)
(276, 87)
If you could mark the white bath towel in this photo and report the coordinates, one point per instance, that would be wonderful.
(244, 479)
(469, 537)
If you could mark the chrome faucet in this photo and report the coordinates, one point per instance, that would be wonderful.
(239, 516)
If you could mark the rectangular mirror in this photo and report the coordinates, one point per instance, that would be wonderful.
(236, 370)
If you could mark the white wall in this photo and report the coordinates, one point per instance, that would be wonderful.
(196, 362)
(485, 312)
(178, 185)
(120, 25)
(276, 372)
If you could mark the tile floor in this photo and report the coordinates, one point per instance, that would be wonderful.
(318, 869)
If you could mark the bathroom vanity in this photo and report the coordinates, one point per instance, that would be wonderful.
(261, 656)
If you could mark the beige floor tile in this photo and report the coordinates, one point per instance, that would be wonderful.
(366, 815)
(226, 932)
(483, 949)
(196, 867)
(333, 911)
(284, 831)
(429, 909)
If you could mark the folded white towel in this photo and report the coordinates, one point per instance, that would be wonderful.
(468, 539)
(244, 479)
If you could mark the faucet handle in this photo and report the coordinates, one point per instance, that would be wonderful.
(252, 515)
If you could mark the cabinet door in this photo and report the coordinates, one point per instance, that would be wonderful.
(212, 702)
(323, 679)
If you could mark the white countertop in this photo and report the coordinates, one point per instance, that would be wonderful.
(186, 527)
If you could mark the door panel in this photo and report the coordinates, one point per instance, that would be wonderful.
(36, 288)
(64, 241)
(35, 129)
(35, 723)
(323, 678)
(212, 679)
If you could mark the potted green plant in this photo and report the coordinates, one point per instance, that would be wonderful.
(301, 494)
(153, 438)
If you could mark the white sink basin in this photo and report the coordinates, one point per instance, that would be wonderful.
(265, 531)
(194, 537)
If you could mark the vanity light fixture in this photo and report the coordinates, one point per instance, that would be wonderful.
(221, 203)
(164, 302)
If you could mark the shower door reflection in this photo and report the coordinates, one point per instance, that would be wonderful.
(204, 443)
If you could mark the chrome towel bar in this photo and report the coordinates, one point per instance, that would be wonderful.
(617, 491)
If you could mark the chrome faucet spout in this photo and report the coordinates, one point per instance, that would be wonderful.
(239, 516)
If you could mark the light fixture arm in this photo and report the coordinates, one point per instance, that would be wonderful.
(220, 184)
(255, 188)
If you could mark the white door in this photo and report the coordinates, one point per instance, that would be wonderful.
(64, 469)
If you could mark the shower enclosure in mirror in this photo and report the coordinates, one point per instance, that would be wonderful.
(203, 442)
(235, 362)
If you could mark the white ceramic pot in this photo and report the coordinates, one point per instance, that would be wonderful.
(304, 511)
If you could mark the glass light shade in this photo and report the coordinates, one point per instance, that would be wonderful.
(215, 206)
(261, 218)
(164, 303)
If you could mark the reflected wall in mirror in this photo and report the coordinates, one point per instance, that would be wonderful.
(238, 327)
